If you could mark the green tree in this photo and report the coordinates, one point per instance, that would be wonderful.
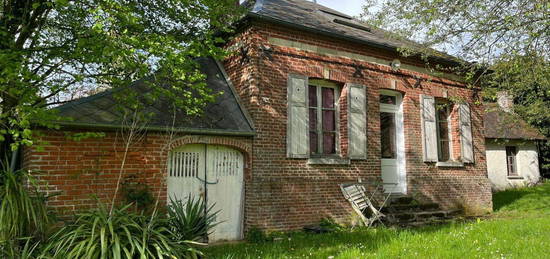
(52, 51)
(508, 41)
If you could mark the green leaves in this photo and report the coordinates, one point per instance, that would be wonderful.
(121, 234)
(191, 220)
(67, 49)
(24, 219)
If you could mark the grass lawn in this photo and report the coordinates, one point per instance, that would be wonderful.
(519, 228)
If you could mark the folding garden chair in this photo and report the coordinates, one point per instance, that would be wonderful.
(355, 193)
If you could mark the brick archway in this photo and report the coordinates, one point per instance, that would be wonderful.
(242, 144)
(239, 143)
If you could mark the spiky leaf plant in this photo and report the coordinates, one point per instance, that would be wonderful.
(120, 233)
(23, 215)
(192, 219)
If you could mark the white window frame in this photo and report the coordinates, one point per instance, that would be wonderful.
(449, 108)
(515, 162)
(319, 84)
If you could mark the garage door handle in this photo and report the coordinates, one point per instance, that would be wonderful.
(207, 182)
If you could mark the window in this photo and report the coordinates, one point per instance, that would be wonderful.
(511, 161)
(443, 111)
(322, 119)
(388, 99)
(387, 134)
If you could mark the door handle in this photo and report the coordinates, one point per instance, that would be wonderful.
(207, 182)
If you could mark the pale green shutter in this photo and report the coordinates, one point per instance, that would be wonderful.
(357, 121)
(466, 141)
(297, 121)
(429, 128)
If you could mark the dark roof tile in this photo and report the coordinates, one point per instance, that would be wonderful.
(225, 115)
(317, 17)
(504, 125)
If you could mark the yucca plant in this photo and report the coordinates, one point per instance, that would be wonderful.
(23, 213)
(120, 233)
(191, 220)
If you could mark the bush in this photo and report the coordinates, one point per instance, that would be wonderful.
(19, 249)
(24, 219)
(256, 235)
(191, 220)
(119, 234)
(137, 193)
(330, 225)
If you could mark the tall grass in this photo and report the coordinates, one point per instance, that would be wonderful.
(24, 219)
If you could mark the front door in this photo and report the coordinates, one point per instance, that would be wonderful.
(214, 173)
(392, 157)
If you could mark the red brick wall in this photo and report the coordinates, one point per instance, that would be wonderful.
(81, 173)
(280, 193)
(288, 193)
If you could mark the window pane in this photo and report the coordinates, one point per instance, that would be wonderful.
(328, 97)
(329, 143)
(313, 142)
(329, 123)
(312, 96)
(387, 99)
(511, 160)
(445, 153)
(443, 130)
(387, 134)
(443, 112)
(312, 119)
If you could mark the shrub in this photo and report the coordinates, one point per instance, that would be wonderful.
(191, 220)
(256, 235)
(24, 219)
(119, 234)
(330, 225)
(137, 193)
(21, 250)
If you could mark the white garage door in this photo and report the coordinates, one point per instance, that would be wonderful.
(214, 173)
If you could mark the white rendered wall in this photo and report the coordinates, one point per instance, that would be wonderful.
(526, 159)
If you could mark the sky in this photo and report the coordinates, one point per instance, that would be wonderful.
(349, 7)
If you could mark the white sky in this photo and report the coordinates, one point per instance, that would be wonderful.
(349, 7)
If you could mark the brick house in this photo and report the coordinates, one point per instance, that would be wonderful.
(312, 98)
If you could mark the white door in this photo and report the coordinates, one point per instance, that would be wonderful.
(185, 168)
(214, 173)
(225, 190)
(392, 142)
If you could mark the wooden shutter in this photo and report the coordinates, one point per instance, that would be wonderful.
(466, 141)
(357, 121)
(297, 136)
(429, 128)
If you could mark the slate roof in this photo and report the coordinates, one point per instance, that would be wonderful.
(504, 125)
(323, 20)
(225, 116)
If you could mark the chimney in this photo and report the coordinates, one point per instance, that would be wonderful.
(505, 101)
